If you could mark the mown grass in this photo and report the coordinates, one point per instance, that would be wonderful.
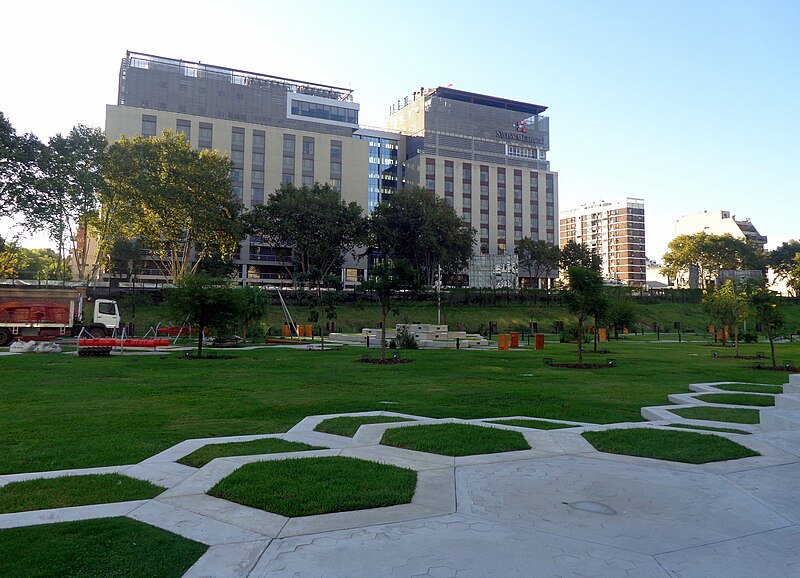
(737, 399)
(310, 486)
(348, 425)
(752, 388)
(61, 411)
(709, 428)
(66, 491)
(674, 446)
(533, 423)
(200, 457)
(728, 414)
(96, 549)
(455, 439)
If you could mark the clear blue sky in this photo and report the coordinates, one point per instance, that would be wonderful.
(691, 105)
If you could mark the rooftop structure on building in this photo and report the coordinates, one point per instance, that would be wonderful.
(613, 230)
(487, 156)
(720, 223)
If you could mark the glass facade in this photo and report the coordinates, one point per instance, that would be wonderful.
(383, 162)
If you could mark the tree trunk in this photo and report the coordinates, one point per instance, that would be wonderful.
(595, 332)
(200, 330)
(736, 338)
(771, 347)
(580, 343)
(385, 312)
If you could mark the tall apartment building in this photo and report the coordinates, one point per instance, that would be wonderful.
(720, 223)
(615, 231)
(486, 156)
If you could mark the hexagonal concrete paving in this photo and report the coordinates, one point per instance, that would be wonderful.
(558, 509)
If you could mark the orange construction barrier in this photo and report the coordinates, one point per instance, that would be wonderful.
(514, 339)
(503, 342)
(286, 332)
(309, 331)
(538, 341)
(602, 334)
(301, 330)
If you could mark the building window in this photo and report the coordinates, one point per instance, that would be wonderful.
(501, 177)
(288, 164)
(287, 178)
(484, 217)
(308, 181)
(257, 176)
(259, 140)
(501, 220)
(258, 159)
(237, 138)
(336, 169)
(148, 125)
(308, 146)
(485, 204)
(308, 165)
(336, 150)
(501, 247)
(237, 157)
(448, 187)
(448, 169)
(288, 145)
(257, 196)
(467, 172)
(237, 193)
(485, 175)
(466, 188)
(324, 111)
(205, 136)
(501, 206)
(336, 185)
(184, 127)
(466, 202)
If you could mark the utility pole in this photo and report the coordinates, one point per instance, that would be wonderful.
(438, 294)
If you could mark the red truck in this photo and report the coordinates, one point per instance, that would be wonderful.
(28, 313)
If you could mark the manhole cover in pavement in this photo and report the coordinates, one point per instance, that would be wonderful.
(594, 507)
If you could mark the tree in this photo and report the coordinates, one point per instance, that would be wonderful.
(573, 253)
(253, 305)
(204, 302)
(125, 258)
(710, 254)
(764, 304)
(18, 168)
(581, 294)
(322, 304)
(784, 260)
(387, 278)
(318, 226)
(66, 199)
(11, 260)
(177, 200)
(726, 306)
(622, 312)
(417, 226)
(537, 258)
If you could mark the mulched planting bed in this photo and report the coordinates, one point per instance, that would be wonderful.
(384, 361)
(211, 356)
(579, 366)
(785, 368)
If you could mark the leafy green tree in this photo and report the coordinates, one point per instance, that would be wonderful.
(66, 201)
(386, 280)
(581, 294)
(622, 312)
(318, 226)
(417, 226)
(204, 302)
(710, 254)
(727, 306)
(125, 259)
(177, 200)
(764, 304)
(322, 303)
(573, 253)
(19, 173)
(11, 261)
(785, 261)
(537, 259)
(253, 306)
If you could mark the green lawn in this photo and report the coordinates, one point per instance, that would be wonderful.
(200, 457)
(752, 388)
(96, 549)
(737, 399)
(309, 486)
(709, 428)
(533, 423)
(675, 446)
(729, 414)
(62, 492)
(455, 439)
(348, 425)
(62, 411)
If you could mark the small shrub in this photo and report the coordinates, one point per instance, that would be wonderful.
(405, 340)
(749, 337)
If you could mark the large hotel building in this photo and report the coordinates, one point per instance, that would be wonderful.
(486, 156)
(615, 231)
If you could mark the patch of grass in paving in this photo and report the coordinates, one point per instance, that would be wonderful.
(729, 414)
(96, 549)
(709, 428)
(751, 388)
(455, 439)
(737, 399)
(62, 492)
(532, 423)
(200, 457)
(310, 486)
(675, 446)
(63, 412)
(348, 425)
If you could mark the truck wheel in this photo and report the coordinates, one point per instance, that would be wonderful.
(5, 337)
(97, 332)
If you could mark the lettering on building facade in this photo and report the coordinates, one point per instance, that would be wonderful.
(521, 137)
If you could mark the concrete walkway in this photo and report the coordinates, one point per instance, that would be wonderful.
(558, 509)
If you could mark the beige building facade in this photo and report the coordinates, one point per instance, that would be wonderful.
(616, 232)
